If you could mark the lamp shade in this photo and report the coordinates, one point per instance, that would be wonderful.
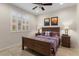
(66, 27)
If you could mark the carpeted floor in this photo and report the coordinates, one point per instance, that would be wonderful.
(16, 51)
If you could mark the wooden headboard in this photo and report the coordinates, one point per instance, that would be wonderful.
(54, 29)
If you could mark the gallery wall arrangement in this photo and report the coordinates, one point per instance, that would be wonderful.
(51, 21)
(18, 22)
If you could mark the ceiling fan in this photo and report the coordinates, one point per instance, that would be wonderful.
(41, 5)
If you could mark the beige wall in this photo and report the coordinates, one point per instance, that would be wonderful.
(66, 16)
(8, 38)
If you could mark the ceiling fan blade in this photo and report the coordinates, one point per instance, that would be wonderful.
(35, 7)
(46, 4)
(38, 3)
(42, 8)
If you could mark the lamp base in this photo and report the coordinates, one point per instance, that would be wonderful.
(66, 31)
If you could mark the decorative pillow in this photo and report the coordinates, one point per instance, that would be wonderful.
(57, 33)
(43, 33)
(47, 33)
(54, 34)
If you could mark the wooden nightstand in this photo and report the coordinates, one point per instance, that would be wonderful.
(65, 40)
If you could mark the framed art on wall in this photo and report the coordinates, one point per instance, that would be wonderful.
(19, 25)
(46, 21)
(13, 24)
(19, 22)
(23, 25)
(54, 21)
(27, 25)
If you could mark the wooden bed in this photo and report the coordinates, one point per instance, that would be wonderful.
(41, 47)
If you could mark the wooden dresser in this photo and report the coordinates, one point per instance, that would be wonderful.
(65, 40)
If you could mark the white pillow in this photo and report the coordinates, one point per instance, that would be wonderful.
(47, 33)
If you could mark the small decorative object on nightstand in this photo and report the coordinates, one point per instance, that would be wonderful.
(36, 34)
(66, 40)
(39, 32)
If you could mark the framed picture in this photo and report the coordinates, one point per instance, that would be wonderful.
(19, 25)
(47, 22)
(27, 25)
(13, 24)
(23, 25)
(54, 21)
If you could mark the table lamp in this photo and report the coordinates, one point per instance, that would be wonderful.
(66, 30)
(39, 30)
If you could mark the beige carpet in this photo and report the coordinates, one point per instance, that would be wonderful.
(63, 51)
(16, 51)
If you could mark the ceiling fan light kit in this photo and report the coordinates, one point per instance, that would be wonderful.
(41, 5)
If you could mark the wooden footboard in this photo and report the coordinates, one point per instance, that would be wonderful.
(38, 46)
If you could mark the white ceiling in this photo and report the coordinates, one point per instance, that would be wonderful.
(28, 7)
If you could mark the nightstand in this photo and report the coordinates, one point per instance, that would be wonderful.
(65, 40)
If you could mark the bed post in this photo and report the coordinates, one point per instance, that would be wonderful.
(22, 43)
